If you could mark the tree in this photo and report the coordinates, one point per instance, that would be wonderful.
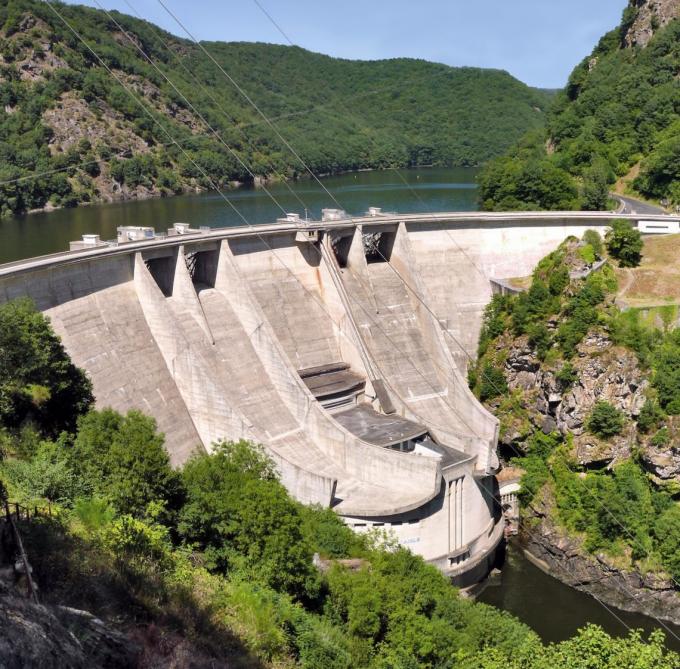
(650, 416)
(242, 517)
(123, 459)
(666, 377)
(605, 420)
(593, 238)
(38, 381)
(595, 196)
(667, 534)
(624, 243)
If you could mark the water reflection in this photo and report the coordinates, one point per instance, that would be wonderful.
(429, 189)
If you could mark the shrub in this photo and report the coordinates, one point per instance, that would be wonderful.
(661, 438)
(558, 281)
(539, 339)
(624, 243)
(566, 375)
(650, 416)
(592, 237)
(492, 383)
(605, 420)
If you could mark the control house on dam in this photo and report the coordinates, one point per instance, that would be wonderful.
(341, 345)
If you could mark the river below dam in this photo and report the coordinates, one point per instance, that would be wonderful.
(554, 610)
(409, 190)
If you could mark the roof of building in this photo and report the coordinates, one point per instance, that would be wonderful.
(377, 428)
(333, 382)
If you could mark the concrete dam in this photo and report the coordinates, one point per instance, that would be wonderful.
(340, 345)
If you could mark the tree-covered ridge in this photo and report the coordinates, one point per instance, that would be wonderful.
(619, 115)
(59, 108)
(216, 562)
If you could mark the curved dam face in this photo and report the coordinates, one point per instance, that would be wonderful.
(340, 346)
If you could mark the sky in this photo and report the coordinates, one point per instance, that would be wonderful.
(537, 41)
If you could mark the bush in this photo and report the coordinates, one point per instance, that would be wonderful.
(592, 237)
(661, 438)
(566, 375)
(558, 281)
(624, 243)
(492, 383)
(650, 416)
(605, 420)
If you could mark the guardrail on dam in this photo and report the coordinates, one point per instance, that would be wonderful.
(340, 345)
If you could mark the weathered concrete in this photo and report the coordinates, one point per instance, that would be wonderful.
(207, 332)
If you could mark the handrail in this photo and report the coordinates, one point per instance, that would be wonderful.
(32, 590)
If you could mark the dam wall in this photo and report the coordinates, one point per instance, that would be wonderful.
(455, 263)
(340, 346)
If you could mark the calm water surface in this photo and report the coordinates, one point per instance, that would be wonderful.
(554, 610)
(430, 189)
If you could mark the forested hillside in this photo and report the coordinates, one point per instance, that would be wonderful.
(60, 108)
(617, 120)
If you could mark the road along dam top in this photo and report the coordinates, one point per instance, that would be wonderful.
(340, 345)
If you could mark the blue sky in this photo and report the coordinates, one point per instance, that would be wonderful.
(537, 41)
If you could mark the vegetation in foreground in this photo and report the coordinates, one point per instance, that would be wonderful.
(617, 115)
(215, 560)
(338, 114)
(619, 509)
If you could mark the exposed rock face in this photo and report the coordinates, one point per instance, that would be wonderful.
(568, 561)
(651, 15)
(40, 636)
(604, 372)
(663, 461)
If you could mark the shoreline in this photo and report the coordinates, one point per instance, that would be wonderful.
(556, 554)
(257, 183)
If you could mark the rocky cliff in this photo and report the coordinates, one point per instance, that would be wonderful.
(599, 502)
(644, 17)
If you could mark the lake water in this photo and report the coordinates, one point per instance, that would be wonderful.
(552, 609)
(426, 189)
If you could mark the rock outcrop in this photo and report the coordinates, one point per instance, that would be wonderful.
(649, 16)
(602, 372)
(32, 635)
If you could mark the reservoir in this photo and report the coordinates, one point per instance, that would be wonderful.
(408, 190)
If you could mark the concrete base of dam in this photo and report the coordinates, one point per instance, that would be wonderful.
(227, 334)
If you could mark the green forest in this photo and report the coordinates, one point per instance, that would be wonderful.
(219, 555)
(61, 111)
(618, 116)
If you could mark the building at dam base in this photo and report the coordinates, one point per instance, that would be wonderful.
(341, 346)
